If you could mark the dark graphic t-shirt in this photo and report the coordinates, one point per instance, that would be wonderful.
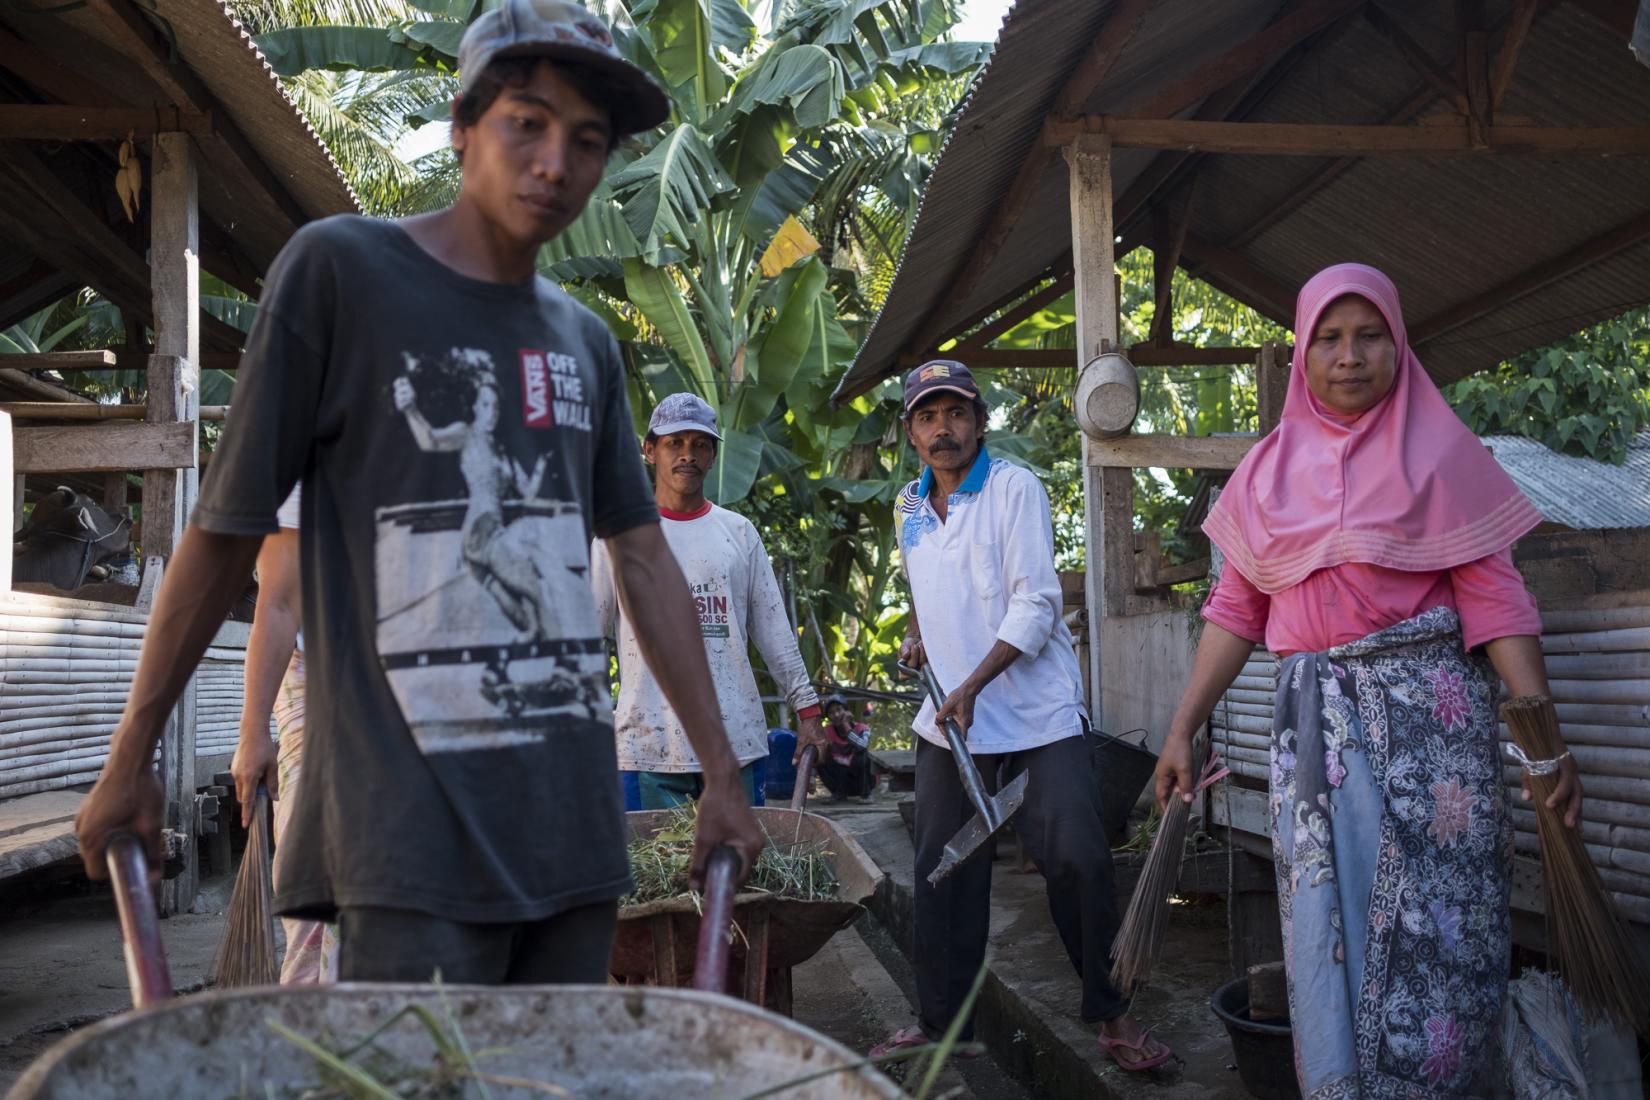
(459, 444)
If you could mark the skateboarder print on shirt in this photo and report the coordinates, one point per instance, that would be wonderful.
(490, 575)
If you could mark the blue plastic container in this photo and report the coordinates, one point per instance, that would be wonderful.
(781, 777)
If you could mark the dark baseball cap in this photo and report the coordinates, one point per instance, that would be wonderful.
(939, 376)
(562, 31)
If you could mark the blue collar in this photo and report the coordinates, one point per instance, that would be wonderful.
(973, 483)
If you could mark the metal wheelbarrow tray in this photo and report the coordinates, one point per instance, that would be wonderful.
(595, 1042)
(655, 941)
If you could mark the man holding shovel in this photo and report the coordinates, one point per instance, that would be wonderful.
(461, 430)
(978, 549)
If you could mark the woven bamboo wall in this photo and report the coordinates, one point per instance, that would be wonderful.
(66, 667)
(1598, 662)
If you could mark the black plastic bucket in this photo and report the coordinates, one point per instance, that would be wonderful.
(1121, 771)
(1264, 1052)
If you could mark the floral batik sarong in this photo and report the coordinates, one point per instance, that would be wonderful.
(1393, 846)
(311, 946)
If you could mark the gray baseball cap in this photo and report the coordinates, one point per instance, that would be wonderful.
(562, 31)
(683, 412)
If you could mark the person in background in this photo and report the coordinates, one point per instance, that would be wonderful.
(845, 766)
(275, 683)
(1367, 542)
(977, 542)
(738, 603)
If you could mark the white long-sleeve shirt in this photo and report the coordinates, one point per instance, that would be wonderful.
(987, 573)
(738, 600)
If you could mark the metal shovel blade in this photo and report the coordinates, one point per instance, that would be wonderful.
(971, 837)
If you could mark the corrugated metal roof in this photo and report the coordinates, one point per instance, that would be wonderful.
(1447, 229)
(1579, 492)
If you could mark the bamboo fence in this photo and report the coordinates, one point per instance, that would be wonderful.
(1598, 663)
(66, 668)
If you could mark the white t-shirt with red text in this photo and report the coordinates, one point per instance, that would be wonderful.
(738, 601)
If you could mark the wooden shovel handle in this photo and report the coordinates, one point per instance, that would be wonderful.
(804, 778)
(146, 969)
(710, 967)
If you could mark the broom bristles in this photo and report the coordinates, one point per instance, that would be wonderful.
(1589, 943)
(1140, 939)
(247, 955)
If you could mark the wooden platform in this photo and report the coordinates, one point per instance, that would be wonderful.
(37, 829)
(900, 765)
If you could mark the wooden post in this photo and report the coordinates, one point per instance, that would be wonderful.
(168, 495)
(1271, 384)
(1108, 494)
(7, 487)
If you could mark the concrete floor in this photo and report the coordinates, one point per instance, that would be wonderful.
(1029, 1006)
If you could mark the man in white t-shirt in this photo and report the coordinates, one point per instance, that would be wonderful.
(738, 601)
(978, 548)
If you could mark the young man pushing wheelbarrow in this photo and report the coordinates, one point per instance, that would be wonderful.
(978, 548)
(461, 430)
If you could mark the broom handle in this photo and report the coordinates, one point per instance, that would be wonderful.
(146, 969)
(710, 967)
(804, 778)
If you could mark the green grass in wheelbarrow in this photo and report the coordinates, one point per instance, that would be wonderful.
(659, 864)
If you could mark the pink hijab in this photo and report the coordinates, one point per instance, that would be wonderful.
(1405, 485)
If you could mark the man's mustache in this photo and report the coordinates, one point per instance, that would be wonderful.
(945, 445)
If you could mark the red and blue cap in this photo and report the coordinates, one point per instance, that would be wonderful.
(939, 376)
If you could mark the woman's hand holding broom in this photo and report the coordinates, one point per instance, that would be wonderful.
(1517, 660)
(1220, 657)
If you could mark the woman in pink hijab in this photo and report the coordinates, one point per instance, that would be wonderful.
(1367, 542)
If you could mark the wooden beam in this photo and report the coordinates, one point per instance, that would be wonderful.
(1201, 452)
(139, 38)
(1141, 355)
(173, 400)
(1237, 267)
(1163, 266)
(53, 122)
(1616, 14)
(1272, 369)
(46, 75)
(1518, 29)
(8, 488)
(39, 387)
(1313, 140)
(1542, 275)
(63, 410)
(61, 360)
(1091, 71)
(1056, 290)
(209, 360)
(1407, 111)
(1248, 56)
(1417, 57)
(92, 448)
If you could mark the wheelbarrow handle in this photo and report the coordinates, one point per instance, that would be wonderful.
(146, 969)
(710, 967)
(967, 770)
(804, 778)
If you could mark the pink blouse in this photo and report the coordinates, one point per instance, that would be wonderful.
(1346, 602)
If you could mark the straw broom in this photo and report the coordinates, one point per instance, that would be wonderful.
(1139, 941)
(1589, 942)
(247, 955)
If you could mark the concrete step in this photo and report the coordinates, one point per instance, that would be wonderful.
(1028, 1009)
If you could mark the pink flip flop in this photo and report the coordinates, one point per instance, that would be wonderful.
(908, 1037)
(1114, 1047)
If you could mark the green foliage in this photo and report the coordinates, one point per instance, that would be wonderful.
(1588, 394)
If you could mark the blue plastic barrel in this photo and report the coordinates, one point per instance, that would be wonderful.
(781, 777)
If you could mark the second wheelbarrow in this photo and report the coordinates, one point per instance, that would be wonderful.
(656, 940)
